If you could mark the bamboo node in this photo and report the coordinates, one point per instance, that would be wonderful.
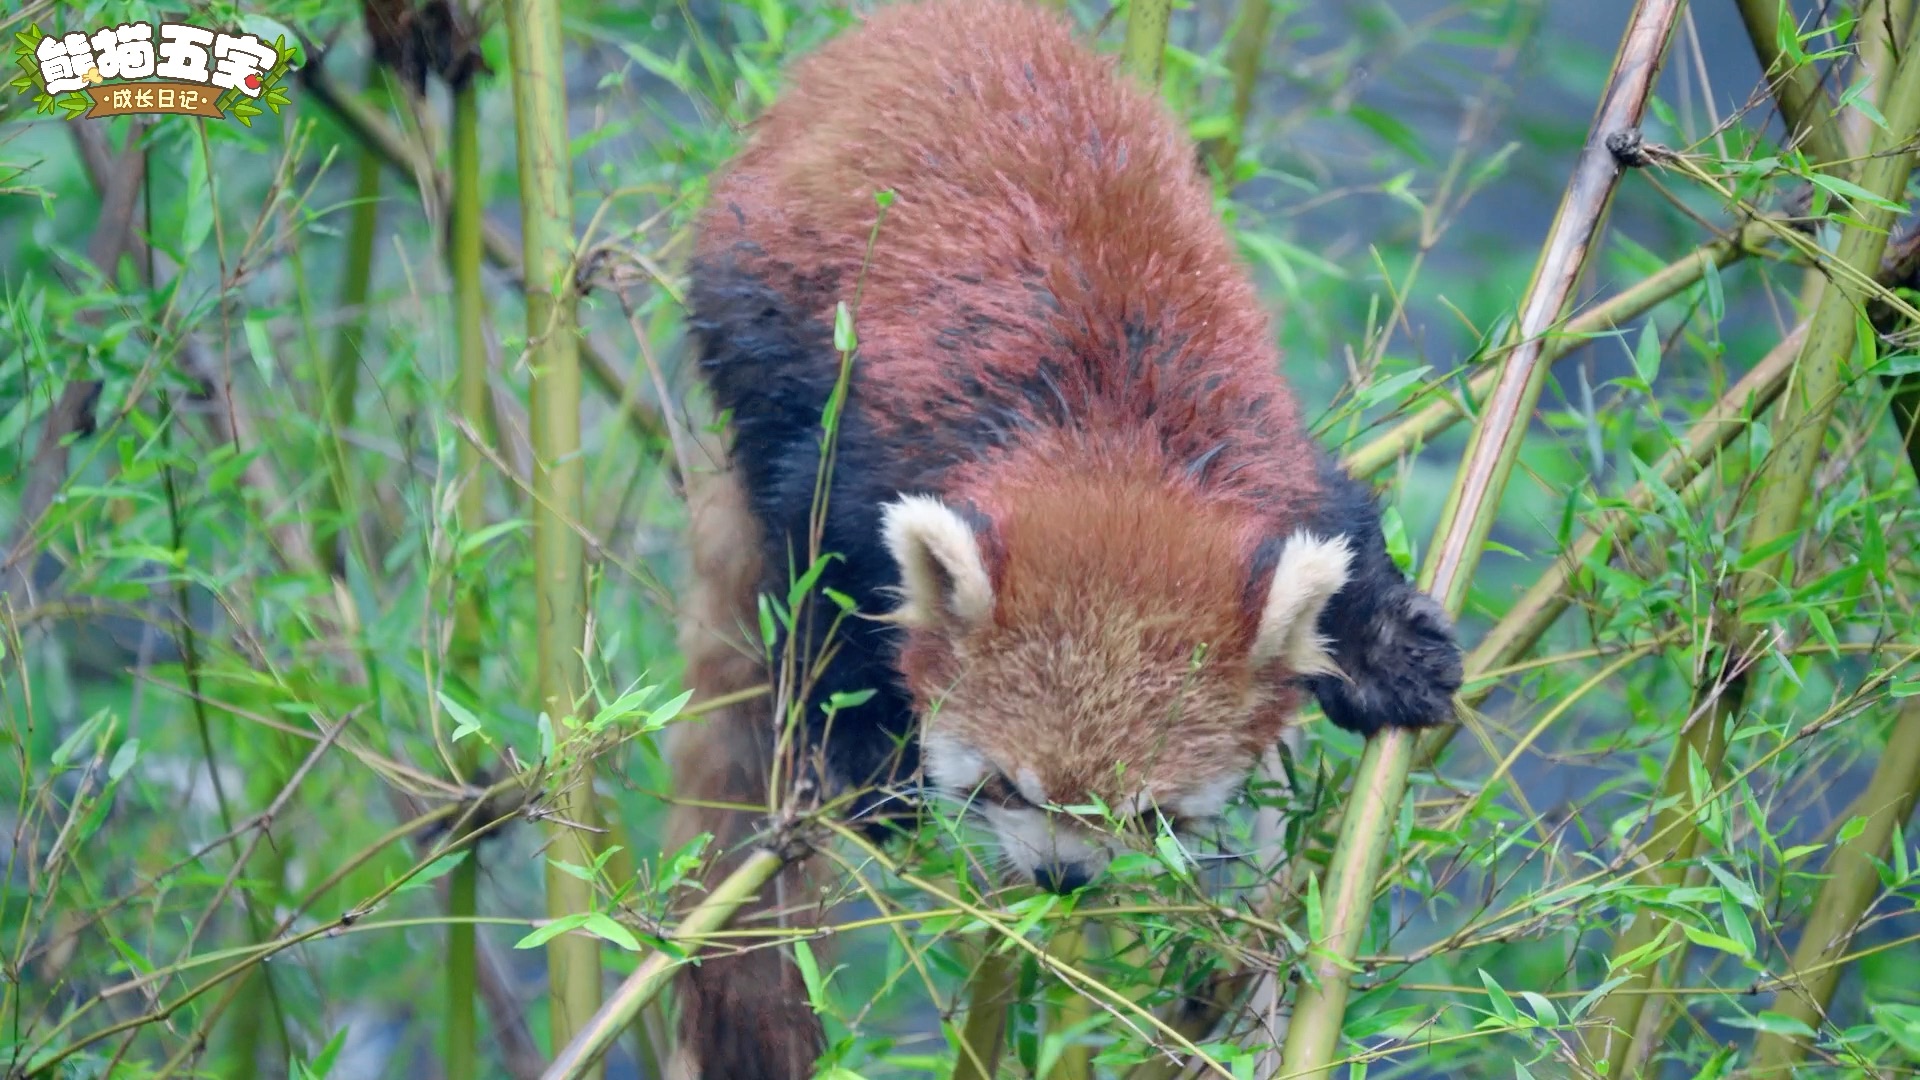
(1630, 149)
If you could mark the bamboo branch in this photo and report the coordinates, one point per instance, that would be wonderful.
(1528, 620)
(1621, 1042)
(547, 237)
(579, 1056)
(1381, 780)
(1664, 284)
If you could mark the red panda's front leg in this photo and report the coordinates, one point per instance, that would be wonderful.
(1399, 659)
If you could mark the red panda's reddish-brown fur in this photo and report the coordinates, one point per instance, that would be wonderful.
(1047, 172)
(1109, 560)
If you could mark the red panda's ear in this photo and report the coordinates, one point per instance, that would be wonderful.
(1308, 573)
(943, 574)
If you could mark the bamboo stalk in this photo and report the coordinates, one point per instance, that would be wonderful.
(371, 129)
(1144, 51)
(1069, 946)
(340, 380)
(1852, 877)
(1702, 746)
(1621, 1042)
(1796, 87)
(1876, 57)
(461, 1046)
(1853, 881)
(579, 1056)
(1381, 780)
(990, 992)
(540, 127)
(1249, 44)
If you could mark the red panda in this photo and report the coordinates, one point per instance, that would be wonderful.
(1101, 556)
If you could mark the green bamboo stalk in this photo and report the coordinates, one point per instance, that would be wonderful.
(1853, 881)
(1249, 44)
(1069, 946)
(1144, 50)
(1669, 281)
(1796, 87)
(1876, 59)
(1621, 1042)
(461, 1048)
(1906, 416)
(1381, 780)
(372, 130)
(1619, 1039)
(580, 1056)
(1831, 334)
(340, 380)
(1878, 19)
(540, 128)
(991, 990)
(1852, 877)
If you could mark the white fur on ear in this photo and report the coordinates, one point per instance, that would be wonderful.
(1309, 572)
(942, 574)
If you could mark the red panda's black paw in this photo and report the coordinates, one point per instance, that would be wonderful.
(1402, 671)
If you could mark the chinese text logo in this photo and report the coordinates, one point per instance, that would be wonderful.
(129, 68)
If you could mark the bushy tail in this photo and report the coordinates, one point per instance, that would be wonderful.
(744, 1013)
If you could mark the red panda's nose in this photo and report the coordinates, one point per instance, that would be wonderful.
(1062, 878)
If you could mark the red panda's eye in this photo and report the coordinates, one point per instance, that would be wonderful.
(999, 790)
(1149, 820)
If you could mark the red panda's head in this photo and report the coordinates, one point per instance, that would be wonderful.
(1100, 640)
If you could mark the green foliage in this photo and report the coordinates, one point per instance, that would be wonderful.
(305, 843)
